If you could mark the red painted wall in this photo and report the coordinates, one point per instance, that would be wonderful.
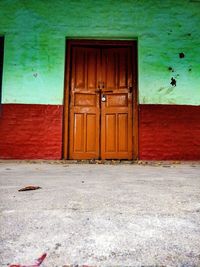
(30, 131)
(169, 132)
(166, 132)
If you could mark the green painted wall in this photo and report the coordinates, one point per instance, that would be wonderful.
(35, 32)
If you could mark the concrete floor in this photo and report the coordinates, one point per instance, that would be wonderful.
(105, 215)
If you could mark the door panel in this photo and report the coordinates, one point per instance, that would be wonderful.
(123, 132)
(116, 111)
(84, 104)
(110, 132)
(78, 132)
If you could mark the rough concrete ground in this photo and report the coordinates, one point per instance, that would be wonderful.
(100, 214)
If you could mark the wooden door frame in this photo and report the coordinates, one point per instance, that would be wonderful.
(89, 42)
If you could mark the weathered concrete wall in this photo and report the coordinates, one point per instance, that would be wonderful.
(35, 33)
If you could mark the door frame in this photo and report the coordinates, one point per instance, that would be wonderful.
(89, 42)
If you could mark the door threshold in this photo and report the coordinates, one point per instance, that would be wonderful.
(98, 161)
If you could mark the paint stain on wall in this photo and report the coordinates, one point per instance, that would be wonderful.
(181, 55)
(171, 69)
(173, 82)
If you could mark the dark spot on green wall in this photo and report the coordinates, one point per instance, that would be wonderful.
(173, 82)
(181, 55)
(171, 69)
(169, 32)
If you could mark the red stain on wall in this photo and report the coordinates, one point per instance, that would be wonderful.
(169, 132)
(30, 131)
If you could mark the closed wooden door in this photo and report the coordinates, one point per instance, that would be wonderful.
(116, 104)
(84, 104)
(101, 103)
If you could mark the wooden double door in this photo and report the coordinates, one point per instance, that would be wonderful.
(101, 102)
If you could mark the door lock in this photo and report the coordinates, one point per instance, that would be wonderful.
(103, 98)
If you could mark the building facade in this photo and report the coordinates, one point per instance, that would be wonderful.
(105, 79)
